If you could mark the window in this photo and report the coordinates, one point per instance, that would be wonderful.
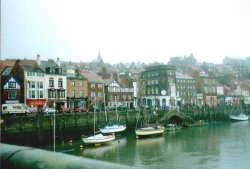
(156, 90)
(80, 83)
(92, 94)
(52, 94)
(72, 93)
(51, 82)
(12, 84)
(12, 94)
(156, 81)
(61, 94)
(72, 83)
(148, 91)
(60, 82)
(32, 84)
(81, 93)
(32, 94)
(40, 85)
(152, 90)
(40, 94)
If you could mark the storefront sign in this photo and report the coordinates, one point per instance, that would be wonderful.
(36, 102)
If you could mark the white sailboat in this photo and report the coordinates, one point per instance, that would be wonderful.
(99, 138)
(112, 128)
(239, 117)
(148, 130)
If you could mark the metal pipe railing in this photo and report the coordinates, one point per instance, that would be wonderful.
(20, 157)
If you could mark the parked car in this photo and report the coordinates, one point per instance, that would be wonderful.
(80, 109)
(49, 110)
(64, 110)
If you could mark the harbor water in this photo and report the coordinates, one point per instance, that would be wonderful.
(214, 146)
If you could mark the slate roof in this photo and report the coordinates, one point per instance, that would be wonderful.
(48, 63)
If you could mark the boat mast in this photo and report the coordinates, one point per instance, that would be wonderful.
(104, 100)
(94, 118)
(116, 110)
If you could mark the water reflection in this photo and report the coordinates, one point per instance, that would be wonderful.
(100, 151)
(149, 150)
(221, 146)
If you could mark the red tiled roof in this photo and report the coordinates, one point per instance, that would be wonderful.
(5, 63)
(92, 77)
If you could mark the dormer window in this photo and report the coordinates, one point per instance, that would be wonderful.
(51, 82)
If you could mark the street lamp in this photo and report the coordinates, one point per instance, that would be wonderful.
(54, 131)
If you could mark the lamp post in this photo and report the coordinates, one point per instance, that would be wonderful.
(54, 130)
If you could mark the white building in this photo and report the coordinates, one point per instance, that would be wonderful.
(55, 83)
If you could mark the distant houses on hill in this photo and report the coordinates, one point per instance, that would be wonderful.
(183, 81)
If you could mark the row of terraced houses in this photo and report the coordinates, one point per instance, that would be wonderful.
(39, 83)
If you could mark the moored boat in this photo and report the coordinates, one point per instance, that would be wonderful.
(113, 128)
(98, 139)
(239, 117)
(150, 130)
(173, 127)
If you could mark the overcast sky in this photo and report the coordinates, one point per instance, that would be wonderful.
(125, 30)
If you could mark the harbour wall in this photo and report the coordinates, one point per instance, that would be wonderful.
(38, 129)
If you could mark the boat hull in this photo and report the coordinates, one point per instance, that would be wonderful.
(149, 131)
(98, 139)
(113, 129)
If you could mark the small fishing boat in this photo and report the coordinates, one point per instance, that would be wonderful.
(239, 117)
(149, 130)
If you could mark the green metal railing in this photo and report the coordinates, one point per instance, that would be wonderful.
(20, 157)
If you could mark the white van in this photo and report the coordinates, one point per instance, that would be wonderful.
(15, 108)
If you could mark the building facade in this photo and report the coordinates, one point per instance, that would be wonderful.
(55, 83)
(207, 86)
(158, 87)
(186, 89)
(77, 90)
(118, 94)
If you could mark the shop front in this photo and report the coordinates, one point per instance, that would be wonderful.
(35, 104)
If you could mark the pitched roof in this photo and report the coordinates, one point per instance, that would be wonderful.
(4, 63)
(30, 66)
(92, 77)
(48, 63)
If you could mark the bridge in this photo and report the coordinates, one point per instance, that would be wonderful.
(175, 117)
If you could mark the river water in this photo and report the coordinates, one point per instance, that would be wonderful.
(217, 146)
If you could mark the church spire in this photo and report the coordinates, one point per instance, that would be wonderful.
(99, 55)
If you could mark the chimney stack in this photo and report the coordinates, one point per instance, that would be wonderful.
(38, 60)
(58, 62)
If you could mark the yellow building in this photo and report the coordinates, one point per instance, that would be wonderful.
(77, 90)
